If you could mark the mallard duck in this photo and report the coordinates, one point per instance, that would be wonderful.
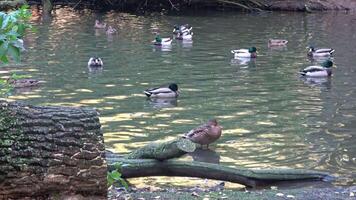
(170, 91)
(205, 134)
(181, 28)
(184, 36)
(277, 42)
(99, 25)
(95, 62)
(318, 71)
(21, 83)
(313, 52)
(245, 53)
(111, 30)
(158, 41)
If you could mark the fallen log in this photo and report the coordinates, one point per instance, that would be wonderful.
(131, 168)
(46, 151)
(164, 150)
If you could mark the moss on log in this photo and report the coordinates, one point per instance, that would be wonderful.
(50, 150)
(132, 168)
(165, 150)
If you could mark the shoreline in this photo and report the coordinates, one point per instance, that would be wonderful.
(329, 193)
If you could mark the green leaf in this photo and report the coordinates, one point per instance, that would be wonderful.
(14, 52)
(4, 59)
(115, 175)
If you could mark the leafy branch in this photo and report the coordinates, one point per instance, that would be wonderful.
(13, 26)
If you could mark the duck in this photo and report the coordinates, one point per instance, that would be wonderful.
(110, 30)
(325, 52)
(22, 83)
(158, 41)
(245, 53)
(205, 134)
(95, 62)
(181, 28)
(170, 91)
(318, 71)
(99, 25)
(277, 42)
(184, 36)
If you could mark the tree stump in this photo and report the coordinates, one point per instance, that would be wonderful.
(46, 151)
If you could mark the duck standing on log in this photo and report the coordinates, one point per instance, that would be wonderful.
(205, 134)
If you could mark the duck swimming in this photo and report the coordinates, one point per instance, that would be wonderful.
(111, 30)
(21, 83)
(205, 134)
(325, 52)
(158, 41)
(318, 71)
(181, 28)
(170, 91)
(95, 62)
(99, 25)
(245, 53)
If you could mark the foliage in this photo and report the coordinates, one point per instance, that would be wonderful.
(114, 177)
(6, 86)
(13, 26)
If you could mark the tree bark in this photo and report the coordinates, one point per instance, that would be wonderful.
(47, 151)
(164, 150)
(131, 168)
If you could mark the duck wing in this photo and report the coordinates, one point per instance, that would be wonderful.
(199, 131)
(311, 69)
(157, 90)
(240, 51)
(325, 50)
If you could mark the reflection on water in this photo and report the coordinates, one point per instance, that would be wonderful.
(162, 103)
(271, 117)
(205, 155)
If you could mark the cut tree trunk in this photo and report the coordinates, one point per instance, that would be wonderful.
(46, 151)
(131, 168)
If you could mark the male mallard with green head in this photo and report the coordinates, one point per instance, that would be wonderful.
(205, 134)
(318, 71)
(245, 53)
(170, 91)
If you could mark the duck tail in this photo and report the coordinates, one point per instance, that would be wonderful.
(147, 93)
(302, 73)
(232, 51)
(332, 51)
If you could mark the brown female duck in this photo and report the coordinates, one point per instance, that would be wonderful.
(205, 134)
(21, 83)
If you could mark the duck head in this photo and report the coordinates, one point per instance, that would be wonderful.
(252, 50)
(327, 64)
(311, 49)
(173, 87)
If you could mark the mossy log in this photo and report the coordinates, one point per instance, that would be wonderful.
(132, 168)
(165, 150)
(47, 151)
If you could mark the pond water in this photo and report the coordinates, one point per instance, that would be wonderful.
(271, 117)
